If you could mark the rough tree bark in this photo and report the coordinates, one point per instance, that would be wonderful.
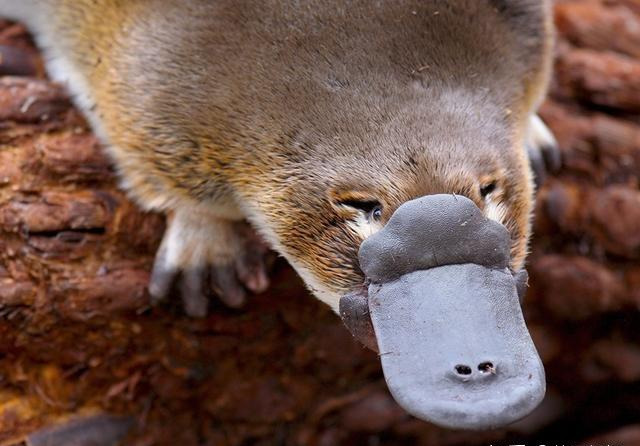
(81, 349)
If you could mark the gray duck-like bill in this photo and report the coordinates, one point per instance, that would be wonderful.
(442, 308)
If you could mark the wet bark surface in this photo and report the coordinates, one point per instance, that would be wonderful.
(82, 356)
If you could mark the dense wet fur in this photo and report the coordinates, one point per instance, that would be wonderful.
(279, 111)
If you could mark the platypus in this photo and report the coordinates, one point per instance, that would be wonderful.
(312, 121)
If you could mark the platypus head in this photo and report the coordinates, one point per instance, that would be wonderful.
(381, 104)
(376, 105)
(447, 145)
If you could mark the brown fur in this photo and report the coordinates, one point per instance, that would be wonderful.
(280, 110)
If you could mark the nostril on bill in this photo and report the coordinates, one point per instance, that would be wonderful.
(486, 367)
(462, 369)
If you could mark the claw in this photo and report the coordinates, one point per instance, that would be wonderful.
(543, 151)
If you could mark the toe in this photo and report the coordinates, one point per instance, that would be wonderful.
(227, 286)
(252, 271)
(193, 291)
(162, 279)
(251, 264)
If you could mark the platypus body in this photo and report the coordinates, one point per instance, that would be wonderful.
(312, 120)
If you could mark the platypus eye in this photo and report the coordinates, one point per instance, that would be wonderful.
(346, 202)
(371, 208)
(487, 189)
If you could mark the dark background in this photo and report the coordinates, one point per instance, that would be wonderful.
(77, 337)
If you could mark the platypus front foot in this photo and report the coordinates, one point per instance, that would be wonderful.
(542, 148)
(201, 255)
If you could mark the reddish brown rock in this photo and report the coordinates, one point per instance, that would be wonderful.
(603, 79)
(574, 287)
(606, 217)
(600, 26)
(374, 413)
(25, 100)
(614, 359)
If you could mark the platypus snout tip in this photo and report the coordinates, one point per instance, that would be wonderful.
(455, 347)
(480, 399)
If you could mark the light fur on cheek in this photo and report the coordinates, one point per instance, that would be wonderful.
(495, 210)
(363, 227)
